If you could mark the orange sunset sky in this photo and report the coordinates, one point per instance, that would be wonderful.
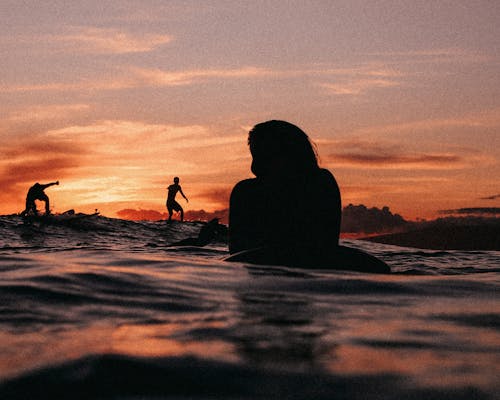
(115, 98)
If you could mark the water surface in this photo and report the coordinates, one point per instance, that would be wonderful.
(106, 309)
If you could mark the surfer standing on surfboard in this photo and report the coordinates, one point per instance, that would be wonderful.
(171, 203)
(36, 192)
(291, 203)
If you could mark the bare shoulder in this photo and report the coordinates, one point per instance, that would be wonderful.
(326, 174)
(243, 187)
(245, 184)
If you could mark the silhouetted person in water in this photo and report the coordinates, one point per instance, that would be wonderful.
(36, 192)
(209, 232)
(292, 203)
(171, 203)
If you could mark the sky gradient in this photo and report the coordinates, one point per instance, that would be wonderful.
(115, 98)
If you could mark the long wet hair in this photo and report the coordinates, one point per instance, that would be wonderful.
(280, 140)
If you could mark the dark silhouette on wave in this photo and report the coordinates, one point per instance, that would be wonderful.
(36, 192)
(171, 204)
(210, 232)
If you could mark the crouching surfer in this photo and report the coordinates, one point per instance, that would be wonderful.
(36, 192)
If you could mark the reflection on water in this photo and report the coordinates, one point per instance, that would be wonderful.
(275, 329)
(157, 320)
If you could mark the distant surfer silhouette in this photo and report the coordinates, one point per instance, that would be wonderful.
(36, 192)
(171, 203)
(292, 203)
(209, 232)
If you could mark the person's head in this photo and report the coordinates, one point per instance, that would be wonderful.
(176, 179)
(280, 148)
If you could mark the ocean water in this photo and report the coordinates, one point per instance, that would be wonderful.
(106, 309)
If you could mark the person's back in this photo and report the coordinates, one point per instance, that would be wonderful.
(301, 210)
(292, 202)
(36, 192)
(172, 191)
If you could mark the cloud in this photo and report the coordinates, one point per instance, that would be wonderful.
(36, 157)
(430, 161)
(364, 77)
(133, 77)
(142, 144)
(360, 79)
(494, 197)
(484, 119)
(45, 112)
(358, 152)
(106, 41)
(473, 211)
(360, 219)
(358, 86)
(17, 177)
(35, 170)
(189, 215)
(35, 148)
(434, 56)
(217, 195)
(84, 85)
(141, 215)
(354, 80)
(347, 80)
(158, 77)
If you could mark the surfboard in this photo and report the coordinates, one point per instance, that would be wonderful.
(339, 258)
(65, 217)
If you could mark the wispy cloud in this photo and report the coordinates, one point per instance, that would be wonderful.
(107, 41)
(396, 69)
(358, 86)
(157, 77)
(493, 197)
(401, 161)
(141, 215)
(355, 80)
(473, 211)
(359, 79)
(86, 40)
(46, 112)
(35, 157)
(484, 120)
(39, 147)
(127, 78)
(219, 195)
(120, 134)
(34, 170)
(433, 56)
(363, 153)
(82, 85)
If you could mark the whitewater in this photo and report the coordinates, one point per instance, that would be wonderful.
(109, 309)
